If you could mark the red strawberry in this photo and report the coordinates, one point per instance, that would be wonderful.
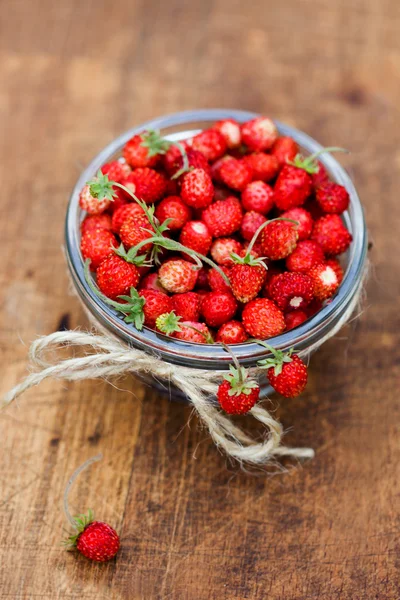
(145, 149)
(116, 171)
(279, 239)
(251, 222)
(173, 207)
(216, 173)
(218, 308)
(151, 282)
(216, 282)
(223, 217)
(320, 177)
(156, 304)
(230, 130)
(202, 279)
(306, 254)
(177, 276)
(292, 188)
(211, 143)
(262, 319)
(237, 394)
(192, 331)
(258, 196)
(187, 306)
(236, 174)
(115, 276)
(196, 235)
(330, 232)
(333, 198)
(97, 245)
(314, 307)
(259, 134)
(294, 318)
(324, 280)
(120, 199)
(150, 186)
(123, 213)
(273, 271)
(172, 159)
(264, 166)
(90, 204)
(288, 375)
(222, 249)
(304, 219)
(134, 230)
(197, 189)
(231, 332)
(291, 290)
(337, 267)
(247, 279)
(196, 160)
(92, 222)
(284, 150)
(98, 541)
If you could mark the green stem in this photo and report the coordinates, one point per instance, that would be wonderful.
(310, 159)
(235, 362)
(185, 165)
(71, 480)
(259, 230)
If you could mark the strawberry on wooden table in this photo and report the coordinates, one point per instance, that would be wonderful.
(286, 372)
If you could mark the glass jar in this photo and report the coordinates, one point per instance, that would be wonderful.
(304, 338)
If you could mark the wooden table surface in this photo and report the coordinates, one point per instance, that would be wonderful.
(75, 74)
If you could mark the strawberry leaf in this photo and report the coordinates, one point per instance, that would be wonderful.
(101, 187)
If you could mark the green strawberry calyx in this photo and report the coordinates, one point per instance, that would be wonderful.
(81, 522)
(154, 143)
(238, 377)
(132, 307)
(168, 323)
(277, 360)
(309, 163)
(101, 187)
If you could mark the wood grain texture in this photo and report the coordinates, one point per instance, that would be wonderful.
(75, 74)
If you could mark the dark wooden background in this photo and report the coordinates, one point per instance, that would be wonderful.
(76, 73)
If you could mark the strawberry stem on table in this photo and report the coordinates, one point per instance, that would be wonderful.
(80, 521)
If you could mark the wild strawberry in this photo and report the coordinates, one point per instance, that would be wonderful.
(91, 204)
(294, 318)
(173, 208)
(192, 331)
(238, 393)
(284, 150)
(151, 282)
(292, 188)
(259, 134)
(216, 282)
(116, 171)
(286, 372)
(145, 149)
(98, 541)
(332, 198)
(337, 267)
(258, 196)
(304, 220)
(236, 174)
(231, 332)
(324, 280)
(330, 232)
(216, 174)
(230, 130)
(291, 290)
(320, 177)
(115, 276)
(149, 185)
(172, 159)
(279, 239)
(218, 308)
(222, 249)
(273, 271)
(187, 306)
(264, 166)
(196, 236)
(306, 254)
(262, 319)
(202, 279)
(197, 189)
(156, 304)
(136, 229)
(247, 279)
(92, 222)
(96, 245)
(211, 143)
(123, 213)
(223, 217)
(196, 160)
(251, 222)
(177, 275)
(120, 199)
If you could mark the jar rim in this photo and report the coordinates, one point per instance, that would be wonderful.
(204, 355)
